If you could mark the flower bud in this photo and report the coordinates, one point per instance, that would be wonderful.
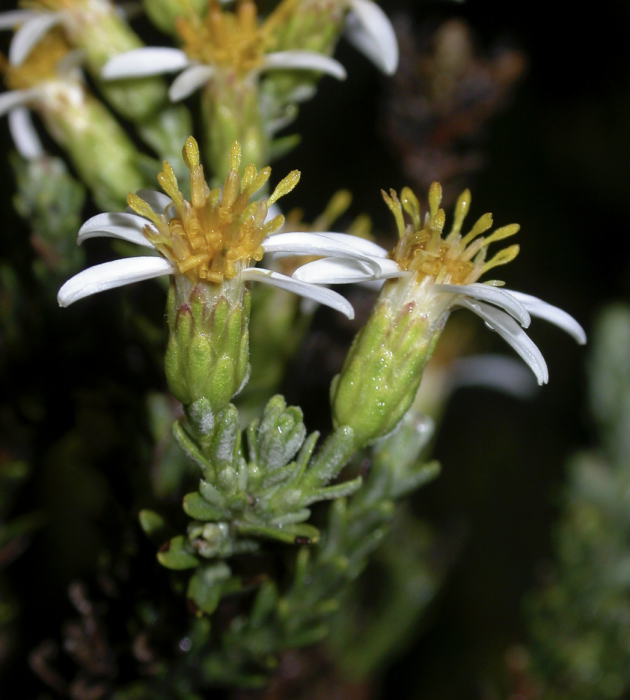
(207, 353)
(382, 372)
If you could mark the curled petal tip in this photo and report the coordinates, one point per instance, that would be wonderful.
(369, 30)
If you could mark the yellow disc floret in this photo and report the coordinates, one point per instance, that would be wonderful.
(227, 39)
(40, 65)
(455, 258)
(219, 231)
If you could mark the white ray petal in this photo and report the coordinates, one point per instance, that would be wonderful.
(493, 295)
(306, 243)
(128, 227)
(310, 291)
(110, 275)
(334, 271)
(541, 309)
(30, 33)
(24, 134)
(13, 18)
(304, 60)
(373, 285)
(341, 270)
(369, 30)
(190, 80)
(158, 201)
(512, 333)
(15, 98)
(149, 60)
(362, 244)
(490, 371)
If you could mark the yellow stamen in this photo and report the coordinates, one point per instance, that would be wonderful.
(230, 39)
(503, 232)
(142, 208)
(501, 258)
(249, 175)
(361, 227)
(394, 206)
(461, 210)
(335, 208)
(411, 205)
(483, 224)
(168, 182)
(219, 232)
(285, 186)
(190, 153)
(453, 259)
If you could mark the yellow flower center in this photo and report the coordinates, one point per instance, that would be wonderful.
(210, 237)
(454, 259)
(40, 65)
(227, 39)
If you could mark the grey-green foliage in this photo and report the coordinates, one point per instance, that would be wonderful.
(169, 465)
(51, 200)
(261, 490)
(381, 611)
(356, 527)
(580, 623)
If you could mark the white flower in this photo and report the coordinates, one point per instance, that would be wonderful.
(439, 274)
(32, 25)
(212, 238)
(47, 79)
(223, 40)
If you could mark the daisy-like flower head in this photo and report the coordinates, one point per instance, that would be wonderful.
(453, 259)
(207, 244)
(227, 39)
(98, 31)
(211, 239)
(430, 273)
(223, 40)
(40, 16)
(48, 80)
(437, 272)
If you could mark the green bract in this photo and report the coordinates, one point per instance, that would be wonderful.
(207, 353)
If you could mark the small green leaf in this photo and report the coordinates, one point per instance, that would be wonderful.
(211, 494)
(292, 534)
(328, 493)
(415, 478)
(175, 555)
(151, 522)
(199, 509)
(264, 603)
(206, 586)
